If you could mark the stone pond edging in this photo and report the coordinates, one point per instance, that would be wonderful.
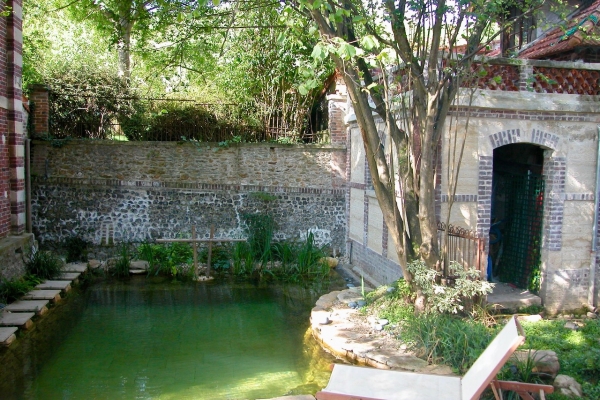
(345, 333)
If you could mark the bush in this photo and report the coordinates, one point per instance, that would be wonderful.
(44, 264)
(86, 103)
(461, 296)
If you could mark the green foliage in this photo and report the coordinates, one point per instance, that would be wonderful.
(285, 252)
(263, 196)
(442, 338)
(76, 247)
(122, 264)
(260, 228)
(11, 290)
(219, 260)
(460, 296)
(173, 120)
(302, 261)
(242, 259)
(309, 257)
(393, 302)
(44, 264)
(578, 350)
(87, 103)
(173, 259)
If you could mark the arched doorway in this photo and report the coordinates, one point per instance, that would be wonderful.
(517, 215)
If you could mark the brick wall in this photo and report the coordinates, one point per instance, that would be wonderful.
(38, 98)
(148, 190)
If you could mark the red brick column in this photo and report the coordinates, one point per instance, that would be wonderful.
(38, 97)
(338, 133)
(14, 95)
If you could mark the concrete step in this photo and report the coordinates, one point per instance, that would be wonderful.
(61, 285)
(52, 295)
(37, 306)
(75, 267)
(7, 335)
(69, 276)
(21, 320)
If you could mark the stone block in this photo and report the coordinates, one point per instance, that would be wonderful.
(61, 285)
(21, 320)
(37, 306)
(7, 335)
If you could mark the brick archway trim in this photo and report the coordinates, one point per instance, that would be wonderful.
(554, 173)
(510, 136)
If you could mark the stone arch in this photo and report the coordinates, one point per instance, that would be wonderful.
(512, 136)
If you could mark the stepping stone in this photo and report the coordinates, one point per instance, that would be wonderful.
(137, 271)
(36, 306)
(62, 285)
(52, 295)
(70, 276)
(7, 335)
(75, 267)
(22, 320)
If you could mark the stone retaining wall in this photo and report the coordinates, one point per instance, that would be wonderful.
(123, 192)
(14, 251)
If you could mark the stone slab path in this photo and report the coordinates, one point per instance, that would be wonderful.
(69, 276)
(61, 285)
(37, 306)
(52, 295)
(7, 335)
(19, 313)
(22, 320)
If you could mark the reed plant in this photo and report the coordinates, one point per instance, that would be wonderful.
(260, 228)
(310, 257)
(121, 267)
(242, 259)
(44, 264)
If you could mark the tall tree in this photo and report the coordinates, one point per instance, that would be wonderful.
(421, 38)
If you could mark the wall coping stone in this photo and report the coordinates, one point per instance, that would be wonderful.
(299, 147)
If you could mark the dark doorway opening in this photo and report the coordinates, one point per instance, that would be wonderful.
(517, 215)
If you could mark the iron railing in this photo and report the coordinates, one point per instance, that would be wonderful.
(464, 247)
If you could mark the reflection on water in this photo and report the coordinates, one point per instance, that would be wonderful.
(161, 340)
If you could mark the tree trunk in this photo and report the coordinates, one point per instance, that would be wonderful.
(124, 47)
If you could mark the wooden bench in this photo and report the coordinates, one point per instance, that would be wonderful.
(362, 383)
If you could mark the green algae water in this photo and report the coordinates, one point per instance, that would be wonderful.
(161, 340)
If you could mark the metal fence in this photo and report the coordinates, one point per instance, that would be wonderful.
(464, 247)
(174, 120)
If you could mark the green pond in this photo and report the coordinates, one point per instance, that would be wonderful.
(156, 339)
